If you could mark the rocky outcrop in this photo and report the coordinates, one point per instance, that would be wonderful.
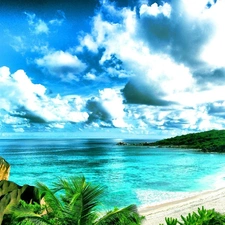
(4, 169)
(11, 194)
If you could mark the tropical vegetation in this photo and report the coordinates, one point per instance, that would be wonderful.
(202, 217)
(213, 140)
(71, 201)
(207, 141)
(75, 201)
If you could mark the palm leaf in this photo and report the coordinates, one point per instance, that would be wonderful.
(23, 213)
(52, 203)
(124, 216)
(76, 204)
(80, 197)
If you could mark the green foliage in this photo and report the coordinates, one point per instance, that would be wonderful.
(202, 217)
(208, 141)
(30, 211)
(124, 216)
(171, 221)
(73, 201)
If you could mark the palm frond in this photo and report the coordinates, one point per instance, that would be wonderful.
(27, 214)
(52, 203)
(124, 216)
(80, 197)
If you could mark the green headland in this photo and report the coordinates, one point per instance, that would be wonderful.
(207, 141)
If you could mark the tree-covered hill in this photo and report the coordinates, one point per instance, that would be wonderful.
(207, 141)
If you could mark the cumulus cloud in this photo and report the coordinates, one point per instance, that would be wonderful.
(28, 102)
(165, 58)
(62, 64)
(24, 103)
(173, 57)
(107, 109)
(182, 34)
(89, 76)
(175, 120)
(162, 49)
(155, 10)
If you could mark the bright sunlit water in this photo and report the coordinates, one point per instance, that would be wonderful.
(139, 175)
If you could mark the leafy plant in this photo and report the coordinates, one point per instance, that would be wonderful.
(124, 216)
(73, 201)
(202, 217)
(27, 210)
(171, 221)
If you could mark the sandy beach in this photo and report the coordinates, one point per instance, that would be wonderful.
(154, 215)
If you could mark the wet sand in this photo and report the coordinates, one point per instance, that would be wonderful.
(155, 214)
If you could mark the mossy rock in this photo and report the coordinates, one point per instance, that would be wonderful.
(11, 194)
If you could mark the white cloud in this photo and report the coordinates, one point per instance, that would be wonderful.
(19, 130)
(28, 102)
(38, 26)
(18, 43)
(41, 27)
(155, 10)
(164, 64)
(214, 51)
(177, 120)
(162, 50)
(123, 41)
(4, 74)
(89, 42)
(62, 64)
(89, 76)
(172, 56)
(59, 19)
(107, 109)
(33, 39)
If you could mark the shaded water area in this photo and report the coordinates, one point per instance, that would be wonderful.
(130, 174)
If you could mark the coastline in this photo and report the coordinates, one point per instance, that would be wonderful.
(155, 214)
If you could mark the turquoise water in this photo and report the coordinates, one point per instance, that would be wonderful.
(140, 175)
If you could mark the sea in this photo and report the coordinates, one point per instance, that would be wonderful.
(129, 174)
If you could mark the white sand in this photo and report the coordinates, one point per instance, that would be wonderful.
(154, 215)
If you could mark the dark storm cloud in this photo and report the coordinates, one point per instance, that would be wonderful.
(97, 111)
(156, 31)
(217, 109)
(137, 92)
(207, 76)
(28, 115)
(175, 123)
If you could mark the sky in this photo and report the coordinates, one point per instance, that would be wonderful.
(104, 68)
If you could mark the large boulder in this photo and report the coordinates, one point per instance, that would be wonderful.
(11, 194)
(4, 169)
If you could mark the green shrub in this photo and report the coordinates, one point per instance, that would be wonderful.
(202, 217)
(72, 201)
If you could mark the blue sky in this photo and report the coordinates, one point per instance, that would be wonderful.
(129, 68)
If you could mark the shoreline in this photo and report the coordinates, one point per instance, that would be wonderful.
(155, 214)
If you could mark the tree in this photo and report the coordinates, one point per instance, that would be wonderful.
(74, 201)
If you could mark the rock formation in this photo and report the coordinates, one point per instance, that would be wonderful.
(4, 169)
(11, 194)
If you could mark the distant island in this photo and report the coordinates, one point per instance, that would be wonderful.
(207, 141)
